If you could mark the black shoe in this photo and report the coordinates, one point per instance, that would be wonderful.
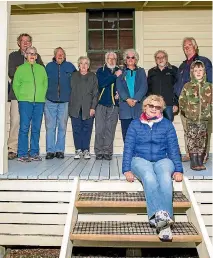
(99, 156)
(50, 155)
(107, 156)
(59, 155)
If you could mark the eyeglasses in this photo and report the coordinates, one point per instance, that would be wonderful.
(132, 57)
(160, 57)
(31, 54)
(156, 107)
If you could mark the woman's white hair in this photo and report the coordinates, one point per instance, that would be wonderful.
(59, 48)
(83, 58)
(194, 43)
(110, 53)
(31, 48)
(132, 50)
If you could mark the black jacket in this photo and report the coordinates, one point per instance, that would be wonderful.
(15, 59)
(162, 83)
(84, 94)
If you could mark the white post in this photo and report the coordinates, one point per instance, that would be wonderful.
(4, 20)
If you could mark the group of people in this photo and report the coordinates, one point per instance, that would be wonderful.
(144, 104)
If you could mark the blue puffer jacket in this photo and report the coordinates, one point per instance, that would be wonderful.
(183, 75)
(59, 77)
(152, 144)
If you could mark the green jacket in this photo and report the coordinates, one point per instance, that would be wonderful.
(196, 99)
(30, 83)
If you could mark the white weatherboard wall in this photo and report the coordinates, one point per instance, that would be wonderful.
(153, 30)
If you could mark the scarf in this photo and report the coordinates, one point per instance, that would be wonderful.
(144, 117)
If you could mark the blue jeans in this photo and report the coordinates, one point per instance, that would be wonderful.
(82, 131)
(157, 183)
(168, 113)
(124, 127)
(30, 113)
(56, 116)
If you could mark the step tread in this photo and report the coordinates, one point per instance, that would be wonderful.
(123, 199)
(130, 231)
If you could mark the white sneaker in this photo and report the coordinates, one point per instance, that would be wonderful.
(78, 154)
(86, 154)
(165, 234)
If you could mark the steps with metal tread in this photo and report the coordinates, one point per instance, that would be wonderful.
(123, 200)
(131, 231)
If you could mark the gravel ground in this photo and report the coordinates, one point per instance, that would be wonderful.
(80, 252)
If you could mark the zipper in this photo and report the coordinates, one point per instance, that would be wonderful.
(199, 95)
(34, 82)
(59, 82)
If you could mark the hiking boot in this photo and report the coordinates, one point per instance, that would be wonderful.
(99, 156)
(24, 159)
(107, 156)
(36, 158)
(12, 155)
(78, 154)
(50, 155)
(59, 155)
(86, 154)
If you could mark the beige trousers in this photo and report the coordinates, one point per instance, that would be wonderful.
(14, 127)
(209, 128)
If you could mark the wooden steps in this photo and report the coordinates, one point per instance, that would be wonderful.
(123, 200)
(110, 231)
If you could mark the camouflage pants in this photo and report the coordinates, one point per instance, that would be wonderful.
(197, 137)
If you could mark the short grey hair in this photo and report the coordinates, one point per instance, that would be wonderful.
(110, 53)
(59, 48)
(31, 48)
(125, 54)
(161, 51)
(194, 43)
(83, 58)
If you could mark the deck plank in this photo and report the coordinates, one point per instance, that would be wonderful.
(77, 170)
(114, 172)
(95, 171)
(57, 163)
(104, 170)
(87, 169)
(121, 175)
(55, 174)
(67, 171)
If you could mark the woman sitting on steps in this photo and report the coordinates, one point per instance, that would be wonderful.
(151, 153)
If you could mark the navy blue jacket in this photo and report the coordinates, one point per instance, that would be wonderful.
(125, 111)
(152, 144)
(59, 77)
(107, 86)
(183, 75)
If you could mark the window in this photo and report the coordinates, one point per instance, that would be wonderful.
(109, 30)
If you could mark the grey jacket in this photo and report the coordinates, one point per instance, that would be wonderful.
(84, 94)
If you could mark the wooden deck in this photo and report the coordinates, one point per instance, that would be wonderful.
(92, 169)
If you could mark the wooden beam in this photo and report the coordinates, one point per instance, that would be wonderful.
(186, 3)
(61, 5)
